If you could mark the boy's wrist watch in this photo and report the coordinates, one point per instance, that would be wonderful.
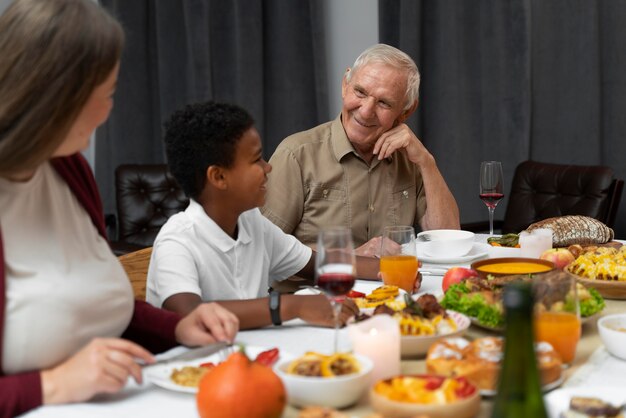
(275, 307)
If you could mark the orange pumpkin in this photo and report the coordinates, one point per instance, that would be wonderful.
(239, 387)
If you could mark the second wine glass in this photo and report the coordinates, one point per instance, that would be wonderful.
(491, 189)
(335, 268)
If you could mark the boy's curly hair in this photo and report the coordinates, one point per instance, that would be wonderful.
(201, 135)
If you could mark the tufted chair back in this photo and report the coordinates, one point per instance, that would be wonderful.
(147, 195)
(542, 190)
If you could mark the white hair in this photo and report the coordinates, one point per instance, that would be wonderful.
(389, 55)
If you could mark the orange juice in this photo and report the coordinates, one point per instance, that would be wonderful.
(561, 329)
(399, 270)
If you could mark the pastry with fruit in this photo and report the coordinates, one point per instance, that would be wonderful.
(479, 360)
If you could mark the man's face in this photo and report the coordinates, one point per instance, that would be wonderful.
(248, 174)
(373, 103)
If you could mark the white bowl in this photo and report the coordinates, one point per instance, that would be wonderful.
(415, 346)
(612, 329)
(445, 242)
(332, 392)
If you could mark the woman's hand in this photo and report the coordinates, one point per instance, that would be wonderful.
(206, 324)
(103, 366)
(316, 310)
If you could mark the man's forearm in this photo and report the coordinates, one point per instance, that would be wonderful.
(442, 211)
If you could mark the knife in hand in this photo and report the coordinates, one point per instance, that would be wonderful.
(194, 353)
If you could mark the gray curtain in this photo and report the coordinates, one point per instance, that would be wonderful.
(267, 56)
(515, 80)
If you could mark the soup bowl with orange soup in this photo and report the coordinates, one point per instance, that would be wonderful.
(511, 265)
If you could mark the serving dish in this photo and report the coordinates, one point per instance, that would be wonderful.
(478, 250)
(511, 265)
(463, 407)
(558, 400)
(608, 289)
(333, 392)
(416, 346)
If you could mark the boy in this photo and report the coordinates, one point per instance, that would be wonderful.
(221, 248)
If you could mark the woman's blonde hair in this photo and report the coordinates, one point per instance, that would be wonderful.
(54, 53)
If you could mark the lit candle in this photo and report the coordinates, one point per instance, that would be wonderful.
(378, 338)
(533, 243)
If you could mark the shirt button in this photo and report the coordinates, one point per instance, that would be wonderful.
(405, 194)
(325, 193)
(371, 208)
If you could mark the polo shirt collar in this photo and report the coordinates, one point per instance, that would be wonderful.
(213, 233)
(342, 145)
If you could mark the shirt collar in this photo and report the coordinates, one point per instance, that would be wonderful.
(342, 145)
(213, 233)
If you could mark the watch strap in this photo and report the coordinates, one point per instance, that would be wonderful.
(275, 307)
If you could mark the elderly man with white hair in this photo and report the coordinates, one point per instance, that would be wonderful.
(366, 169)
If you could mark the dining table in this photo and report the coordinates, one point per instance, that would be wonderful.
(591, 366)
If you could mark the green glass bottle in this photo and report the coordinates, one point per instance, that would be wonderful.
(519, 388)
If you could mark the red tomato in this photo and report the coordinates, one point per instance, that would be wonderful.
(268, 357)
(465, 388)
(354, 294)
(433, 382)
(208, 365)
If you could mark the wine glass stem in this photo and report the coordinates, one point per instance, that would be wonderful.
(491, 210)
(336, 305)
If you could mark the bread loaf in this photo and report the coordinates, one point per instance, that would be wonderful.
(575, 229)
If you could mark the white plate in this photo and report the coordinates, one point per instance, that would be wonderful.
(545, 388)
(478, 250)
(160, 374)
(558, 400)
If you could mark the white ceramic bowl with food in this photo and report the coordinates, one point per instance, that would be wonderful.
(464, 407)
(612, 329)
(442, 243)
(333, 392)
(417, 345)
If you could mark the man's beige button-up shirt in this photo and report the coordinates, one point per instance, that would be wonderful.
(319, 180)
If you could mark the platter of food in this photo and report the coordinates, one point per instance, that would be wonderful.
(604, 269)
(479, 362)
(481, 298)
(422, 322)
(579, 401)
(184, 376)
(425, 395)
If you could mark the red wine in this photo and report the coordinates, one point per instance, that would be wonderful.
(491, 199)
(335, 284)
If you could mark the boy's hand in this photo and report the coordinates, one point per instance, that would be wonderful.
(316, 310)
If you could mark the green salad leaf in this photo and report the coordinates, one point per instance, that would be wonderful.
(457, 298)
(593, 305)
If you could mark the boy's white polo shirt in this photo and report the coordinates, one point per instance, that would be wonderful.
(192, 254)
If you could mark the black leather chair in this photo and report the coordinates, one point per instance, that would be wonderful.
(543, 190)
(147, 195)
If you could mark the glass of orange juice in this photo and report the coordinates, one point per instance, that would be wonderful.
(398, 261)
(557, 314)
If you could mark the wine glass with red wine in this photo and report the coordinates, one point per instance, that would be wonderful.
(491, 191)
(335, 268)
